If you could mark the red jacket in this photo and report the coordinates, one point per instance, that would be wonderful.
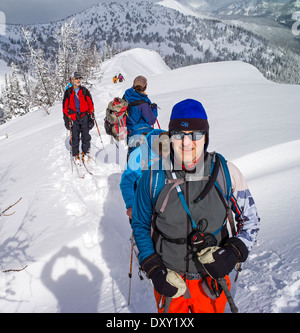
(85, 101)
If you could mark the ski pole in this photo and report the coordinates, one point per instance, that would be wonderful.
(99, 133)
(158, 124)
(130, 268)
(70, 128)
(223, 284)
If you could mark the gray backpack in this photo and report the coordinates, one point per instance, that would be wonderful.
(115, 120)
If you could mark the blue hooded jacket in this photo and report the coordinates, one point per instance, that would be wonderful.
(141, 117)
(138, 160)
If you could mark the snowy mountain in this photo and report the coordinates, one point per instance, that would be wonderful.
(279, 10)
(269, 19)
(73, 234)
(254, 7)
(181, 35)
(239, 7)
(286, 15)
(198, 5)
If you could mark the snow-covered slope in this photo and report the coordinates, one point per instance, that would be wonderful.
(74, 234)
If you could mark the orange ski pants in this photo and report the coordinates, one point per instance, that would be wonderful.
(199, 301)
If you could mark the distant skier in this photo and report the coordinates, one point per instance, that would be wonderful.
(115, 79)
(78, 111)
(121, 78)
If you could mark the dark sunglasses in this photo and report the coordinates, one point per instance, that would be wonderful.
(194, 135)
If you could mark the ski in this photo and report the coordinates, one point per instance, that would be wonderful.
(79, 170)
(86, 168)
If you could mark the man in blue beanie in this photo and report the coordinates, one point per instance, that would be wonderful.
(194, 220)
(188, 119)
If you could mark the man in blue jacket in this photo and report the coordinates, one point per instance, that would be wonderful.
(183, 223)
(142, 114)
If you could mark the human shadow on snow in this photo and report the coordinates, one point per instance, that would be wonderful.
(75, 292)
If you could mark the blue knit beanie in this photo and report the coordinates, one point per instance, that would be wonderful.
(189, 115)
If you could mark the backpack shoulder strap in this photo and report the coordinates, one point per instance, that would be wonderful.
(139, 102)
(223, 181)
(84, 91)
(135, 103)
(68, 93)
(214, 171)
(224, 186)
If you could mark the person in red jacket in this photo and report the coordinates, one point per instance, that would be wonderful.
(78, 111)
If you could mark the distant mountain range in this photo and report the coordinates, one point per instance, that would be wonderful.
(280, 10)
(180, 38)
(273, 8)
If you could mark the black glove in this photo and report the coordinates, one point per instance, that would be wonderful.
(91, 120)
(157, 272)
(225, 258)
(153, 106)
(67, 120)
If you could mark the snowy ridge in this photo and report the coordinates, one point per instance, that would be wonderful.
(187, 7)
(74, 234)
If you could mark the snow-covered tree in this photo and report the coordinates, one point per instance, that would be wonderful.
(44, 92)
(6, 100)
(65, 62)
(108, 51)
(14, 101)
